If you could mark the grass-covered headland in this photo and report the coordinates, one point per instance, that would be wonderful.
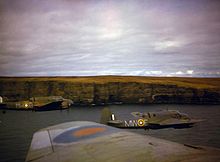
(115, 89)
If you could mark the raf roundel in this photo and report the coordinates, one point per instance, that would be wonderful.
(141, 122)
(83, 133)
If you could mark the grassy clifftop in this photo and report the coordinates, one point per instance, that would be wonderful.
(110, 89)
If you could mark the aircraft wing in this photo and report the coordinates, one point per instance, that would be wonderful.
(82, 141)
(47, 105)
(137, 114)
(173, 121)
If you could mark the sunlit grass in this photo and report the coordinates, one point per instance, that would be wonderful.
(177, 81)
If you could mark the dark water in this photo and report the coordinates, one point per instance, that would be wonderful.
(17, 127)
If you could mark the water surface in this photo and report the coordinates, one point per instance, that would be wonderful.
(17, 127)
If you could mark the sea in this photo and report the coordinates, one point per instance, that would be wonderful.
(17, 127)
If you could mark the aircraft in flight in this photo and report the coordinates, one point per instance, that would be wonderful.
(37, 103)
(150, 120)
(82, 141)
(50, 103)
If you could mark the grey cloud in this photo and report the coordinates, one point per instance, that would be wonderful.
(109, 37)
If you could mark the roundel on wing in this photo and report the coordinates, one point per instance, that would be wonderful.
(82, 133)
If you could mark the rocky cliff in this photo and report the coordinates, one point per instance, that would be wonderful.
(114, 89)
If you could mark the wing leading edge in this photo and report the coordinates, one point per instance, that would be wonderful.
(93, 142)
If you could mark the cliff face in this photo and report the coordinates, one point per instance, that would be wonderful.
(96, 90)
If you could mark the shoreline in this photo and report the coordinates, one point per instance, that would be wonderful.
(102, 90)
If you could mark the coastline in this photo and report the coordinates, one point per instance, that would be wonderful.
(101, 90)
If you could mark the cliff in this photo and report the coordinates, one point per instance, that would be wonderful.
(115, 89)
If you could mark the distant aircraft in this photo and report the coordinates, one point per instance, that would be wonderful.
(82, 141)
(151, 120)
(38, 103)
(50, 102)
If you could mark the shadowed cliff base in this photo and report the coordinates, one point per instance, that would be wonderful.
(101, 90)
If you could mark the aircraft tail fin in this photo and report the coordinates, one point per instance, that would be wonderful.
(106, 115)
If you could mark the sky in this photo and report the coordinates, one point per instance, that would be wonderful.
(110, 37)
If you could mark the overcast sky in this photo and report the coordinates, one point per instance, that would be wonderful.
(121, 37)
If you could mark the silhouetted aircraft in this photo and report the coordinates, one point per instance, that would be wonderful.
(151, 120)
(38, 103)
(50, 103)
(82, 141)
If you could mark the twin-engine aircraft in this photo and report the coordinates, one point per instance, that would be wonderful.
(37, 103)
(82, 141)
(150, 120)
